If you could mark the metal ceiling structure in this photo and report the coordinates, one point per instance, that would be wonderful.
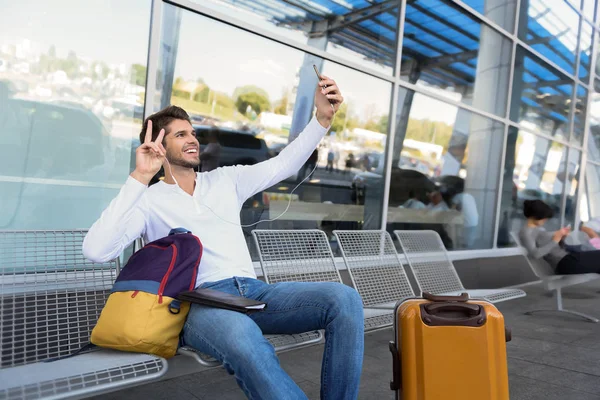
(439, 36)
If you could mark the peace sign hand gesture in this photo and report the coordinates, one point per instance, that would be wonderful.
(149, 156)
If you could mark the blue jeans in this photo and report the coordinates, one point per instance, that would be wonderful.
(237, 340)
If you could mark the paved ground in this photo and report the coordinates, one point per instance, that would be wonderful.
(552, 356)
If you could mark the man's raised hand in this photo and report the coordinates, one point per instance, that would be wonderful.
(328, 100)
(149, 156)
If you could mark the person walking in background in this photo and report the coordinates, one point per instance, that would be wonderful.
(330, 158)
(309, 166)
(349, 163)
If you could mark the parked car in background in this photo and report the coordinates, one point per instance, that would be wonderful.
(402, 182)
(237, 147)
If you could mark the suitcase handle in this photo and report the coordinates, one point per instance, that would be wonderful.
(432, 297)
(470, 309)
(456, 314)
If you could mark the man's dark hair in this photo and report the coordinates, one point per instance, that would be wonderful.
(163, 118)
(537, 210)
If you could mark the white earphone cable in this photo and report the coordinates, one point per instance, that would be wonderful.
(259, 221)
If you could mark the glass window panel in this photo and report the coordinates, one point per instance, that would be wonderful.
(70, 105)
(590, 202)
(448, 50)
(585, 53)
(541, 96)
(445, 167)
(551, 28)
(532, 172)
(596, 68)
(361, 32)
(594, 127)
(580, 115)
(589, 9)
(570, 177)
(257, 95)
(501, 12)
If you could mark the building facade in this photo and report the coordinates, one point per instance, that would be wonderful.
(455, 113)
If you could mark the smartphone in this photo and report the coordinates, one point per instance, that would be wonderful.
(318, 74)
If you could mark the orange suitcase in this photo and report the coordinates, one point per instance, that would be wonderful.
(449, 347)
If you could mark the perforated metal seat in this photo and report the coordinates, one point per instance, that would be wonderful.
(304, 256)
(50, 299)
(375, 269)
(434, 272)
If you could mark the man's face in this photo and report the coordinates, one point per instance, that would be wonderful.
(182, 146)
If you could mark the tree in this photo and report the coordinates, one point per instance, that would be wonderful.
(138, 75)
(282, 105)
(180, 89)
(249, 89)
(70, 65)
(99, 70)
(384, 123)
(371, 125)
(257, 101)
(202, 95)
(344, 120)
(224, 100)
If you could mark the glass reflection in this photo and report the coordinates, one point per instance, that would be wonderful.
(254, 97)
(534, 170)
(551, 28)
(541, 96)
(579, 115)
(590, 202)
(363, 32)
(585, 52)
(501, 12)
(570, 176)
(444, 171)
(68, 110)
(589, 9)
(454, 54)
(594, 127)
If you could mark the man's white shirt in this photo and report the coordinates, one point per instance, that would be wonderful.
(151, 212)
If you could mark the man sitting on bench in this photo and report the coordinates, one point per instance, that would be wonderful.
(209, 204)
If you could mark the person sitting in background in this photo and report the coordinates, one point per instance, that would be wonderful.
(465, 203)
(549, 245)
(413, 202)
(437, 202)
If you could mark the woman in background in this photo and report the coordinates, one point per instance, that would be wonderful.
(548, 245)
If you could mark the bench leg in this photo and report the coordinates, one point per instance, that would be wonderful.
(559, 308)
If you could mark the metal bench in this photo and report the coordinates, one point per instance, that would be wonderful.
(50, 299)
(554, 282)
(305, 256)
(375, 268)
(434, 272)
